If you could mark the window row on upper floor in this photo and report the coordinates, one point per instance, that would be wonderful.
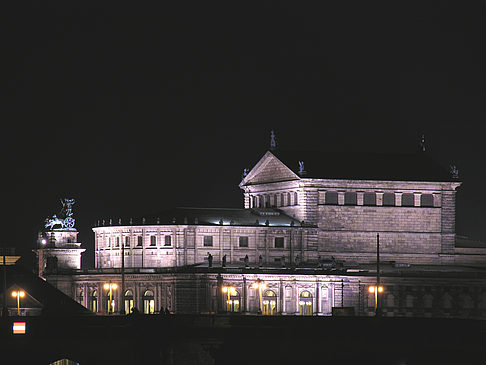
(274, 200)
(380, 199)
(134, 241)
(204, 241)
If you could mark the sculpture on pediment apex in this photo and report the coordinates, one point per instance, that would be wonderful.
(454, 171)
(273, 141)
(67, 207)
(67, 212)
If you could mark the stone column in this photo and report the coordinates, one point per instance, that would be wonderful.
(244, 294)
(379, 199)
(231, 244)
(398, 199)
(416, 199)
(340, 197)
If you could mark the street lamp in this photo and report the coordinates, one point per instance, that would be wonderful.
(18, 294)
(259, 284)
(230, 290)
(372, 290)
(110, 286)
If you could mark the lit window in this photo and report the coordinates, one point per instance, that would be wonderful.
(269, 303)
(148, 302)
(279, 242)
(208, 241)
(128, 301)
(168, 240)
(243, 241)
(305, 303)
(94, 301)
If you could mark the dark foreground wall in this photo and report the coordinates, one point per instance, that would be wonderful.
(179, 339)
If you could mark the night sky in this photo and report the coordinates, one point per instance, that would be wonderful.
(133, 109)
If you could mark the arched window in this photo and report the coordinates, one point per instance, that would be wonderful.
(296, 200)
(428, 301)
(409, 299)
(389, 199)
(148, 302)
(128, 301)
(350, 198)
(446, 301)
(426, 200)
(269, 303)
(407, 200)
(94, 301)
(81, 297)
(305, 303)
(390, 300)
(331, 197)
(233, 301)
(369, 199)
(282, 199)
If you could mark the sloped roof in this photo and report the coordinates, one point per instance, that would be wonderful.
(214, 216)
(53, 301)
(365, 166)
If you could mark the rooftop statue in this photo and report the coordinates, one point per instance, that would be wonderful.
(66, 212)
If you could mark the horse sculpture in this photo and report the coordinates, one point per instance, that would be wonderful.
(54, 221)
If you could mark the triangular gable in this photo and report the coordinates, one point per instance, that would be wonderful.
(269, 169)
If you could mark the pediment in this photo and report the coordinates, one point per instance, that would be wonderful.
(269, 169)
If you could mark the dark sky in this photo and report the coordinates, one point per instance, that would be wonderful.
(133, 109)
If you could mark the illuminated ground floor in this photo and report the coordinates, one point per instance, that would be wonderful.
(420, 292)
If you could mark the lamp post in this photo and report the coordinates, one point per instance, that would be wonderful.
(259, 284)
(229, 290)
(18, 294)
(375, 289)
(110, 286)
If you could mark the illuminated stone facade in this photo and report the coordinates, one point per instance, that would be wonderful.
(311, 239)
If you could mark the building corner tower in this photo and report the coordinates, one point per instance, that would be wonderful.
(58, 249)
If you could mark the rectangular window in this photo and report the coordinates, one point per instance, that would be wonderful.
(118, 242)
(331, 197)
(168, 240)
(139, 241)
(369, 199)
(243, 241)
(279, 242)
(153, 240)
(127, 241)
(208, 241)
(389, 199)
